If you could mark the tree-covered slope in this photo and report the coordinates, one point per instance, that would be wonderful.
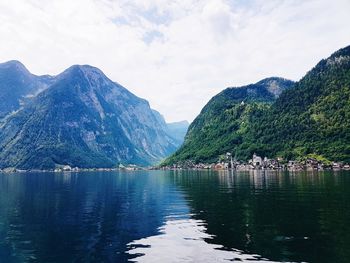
(224, 121)
(312, 118)
(83, 119)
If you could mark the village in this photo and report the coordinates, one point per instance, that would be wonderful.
(260, 163)
(229, 163)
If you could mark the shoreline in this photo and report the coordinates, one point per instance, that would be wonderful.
(84, 170)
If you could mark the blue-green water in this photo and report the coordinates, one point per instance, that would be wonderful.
(171, 216)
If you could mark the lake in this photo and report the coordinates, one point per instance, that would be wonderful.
(175, 216)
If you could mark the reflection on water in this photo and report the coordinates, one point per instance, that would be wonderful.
(184, 240)
(81, 217)
(196, 216)
(281, 216)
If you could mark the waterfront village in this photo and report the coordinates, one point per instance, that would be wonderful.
(259, 163)
(227, 163)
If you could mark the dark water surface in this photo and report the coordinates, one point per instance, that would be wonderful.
(175, 217)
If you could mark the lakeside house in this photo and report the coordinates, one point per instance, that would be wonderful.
(256, 160)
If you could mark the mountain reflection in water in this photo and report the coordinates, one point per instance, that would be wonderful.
(175, 216)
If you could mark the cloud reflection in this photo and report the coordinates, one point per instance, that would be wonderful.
(184, 240)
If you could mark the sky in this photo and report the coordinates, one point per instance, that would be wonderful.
(176, 54)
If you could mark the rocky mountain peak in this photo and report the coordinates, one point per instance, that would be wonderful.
(275, 85)
(83, 119)
(15, 65)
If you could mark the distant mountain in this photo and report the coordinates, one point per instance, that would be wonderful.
(17, 85)
(275, 120)
(224, 120)
(83, 119)
(178, 130)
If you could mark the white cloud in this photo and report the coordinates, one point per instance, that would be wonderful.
(176, 54)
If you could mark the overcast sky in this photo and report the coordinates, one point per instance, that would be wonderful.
(176, 54)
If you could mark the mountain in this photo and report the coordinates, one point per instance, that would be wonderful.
(309, 119)
(223, 122)
(178, 130)
(83, 119)
(313, 117)
(17, 85)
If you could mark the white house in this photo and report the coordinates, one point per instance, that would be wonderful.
(257, 160)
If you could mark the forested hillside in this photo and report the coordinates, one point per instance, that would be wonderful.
(224, 121)
(310, 117)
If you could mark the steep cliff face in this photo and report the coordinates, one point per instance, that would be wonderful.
(83, 119)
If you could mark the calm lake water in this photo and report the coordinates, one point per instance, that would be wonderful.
(188, 216)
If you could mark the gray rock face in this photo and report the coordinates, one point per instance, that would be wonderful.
(83, 119)
(266, 90)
